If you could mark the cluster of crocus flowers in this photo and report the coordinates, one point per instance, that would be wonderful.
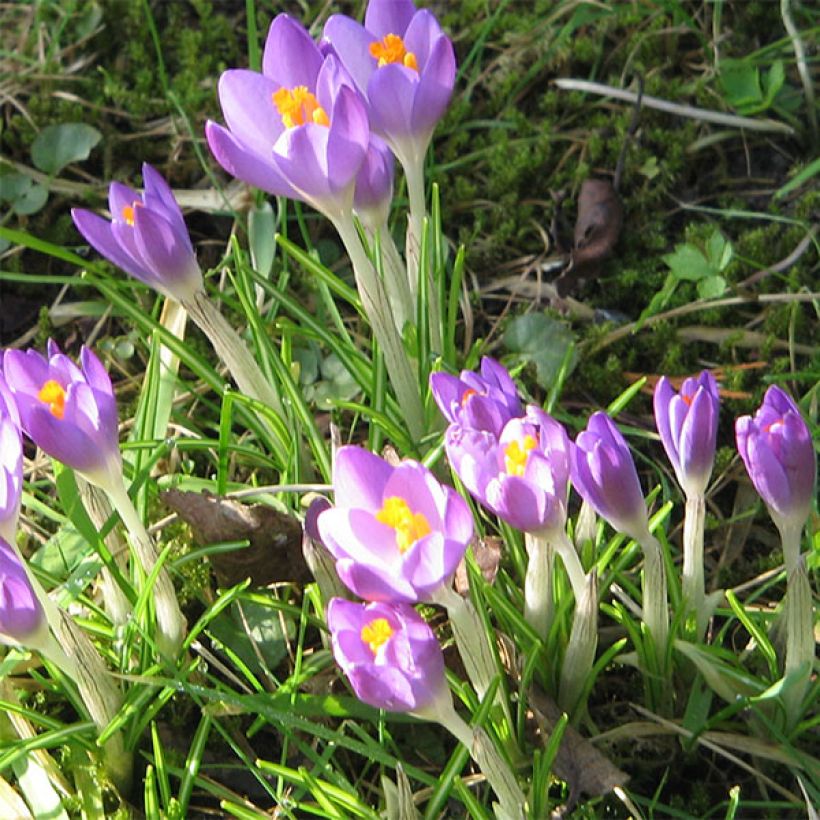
(70, 412)
(397, 536)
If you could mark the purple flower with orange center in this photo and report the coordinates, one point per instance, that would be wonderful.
(522, 475)
(687, 422)
(69, 412)
(404, 66)
(299, 129)
(776, 447)
(146, 236)
(389, 654)
(22, 619)
(397, 534)
(485, 401)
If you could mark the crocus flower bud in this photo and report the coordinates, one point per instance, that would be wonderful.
(146, 236)
(687, 423)
(374, 185)
(396, 533)
(70, 413)
(604, 475)
(11, 465)
(404, 66)
(389, 654)
(299, 129)
(520, 476)
(776, 447)
(485, 401)
(22, 620)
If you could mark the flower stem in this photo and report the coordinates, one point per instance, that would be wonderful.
(694, 595)
(377, 308)
(395, 279)
(170, 620)
(538, 601)
(583, 642)
(655, 608)
(572, 563)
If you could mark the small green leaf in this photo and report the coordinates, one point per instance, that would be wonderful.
(540, 339)
(773, 82)
(262, 238)
(688, 262)
(25, 196)
(236, 627)
(741, 85)
(59, 145)
(711, 287)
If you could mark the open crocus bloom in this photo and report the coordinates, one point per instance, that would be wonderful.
(22, 620)
(388, 653)
(776, 447)
(70, 413)
(396, 533)
(299, 129)
(485, 401)
(522, 475)
(603, 472)
(146, 236)
(687, 423)
(405, 67)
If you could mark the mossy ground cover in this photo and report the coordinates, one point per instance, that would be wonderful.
(144, 75)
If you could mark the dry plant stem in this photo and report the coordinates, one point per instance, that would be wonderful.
(377, 309)
(694, 594)
(395, 280)
(233, 351)
(495, 769)
(655, 608)
(583, 642)
(170, 620)
(702, 114)
(802, 66)
(539, 606)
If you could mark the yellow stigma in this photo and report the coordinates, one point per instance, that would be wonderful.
(128, 212)
(392, 50)
(516, 455)
(377, 633)
(52, 394)
(409, 526)
(297, 106)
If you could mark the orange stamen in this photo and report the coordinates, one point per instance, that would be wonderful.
(128, 212)
(391, 49)
(53, 394)
(297, 106)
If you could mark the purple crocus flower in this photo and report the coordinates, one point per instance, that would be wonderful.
(687, 423)
(522, 475)
(299, 129)
(478, 402)
(11, 467)
(374, 185)
(388, 653)
(22, 619)
(396, 533)
(404, 66)
(776, 447)
(146, 236)
(69, 412)
(604, 474)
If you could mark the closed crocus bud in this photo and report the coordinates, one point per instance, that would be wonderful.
(397, 534)
(146, 236)
(22, 620)
(69, 412)
(478, 401)
(687, 423)
(520, 476)
(374, 185)
(389, 654)
(404, 66)
(604, 475)
(776, 447)
(299, 129)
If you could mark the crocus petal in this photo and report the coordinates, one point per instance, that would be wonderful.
(390, 92)
(389, 17)
(159, 196)
(347, 139)
(166, 251)
(291, 57)
(423, 34)
(247, 104)
(244, 164)
(98, 233)
(359, 478)
(121, 196)
(351, 43)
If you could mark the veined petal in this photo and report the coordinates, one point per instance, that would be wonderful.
(247, 103)
(389, 16)
(290, 57)
(301, 156)
(422, 35)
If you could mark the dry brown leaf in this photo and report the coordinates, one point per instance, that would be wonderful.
(487, 553)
